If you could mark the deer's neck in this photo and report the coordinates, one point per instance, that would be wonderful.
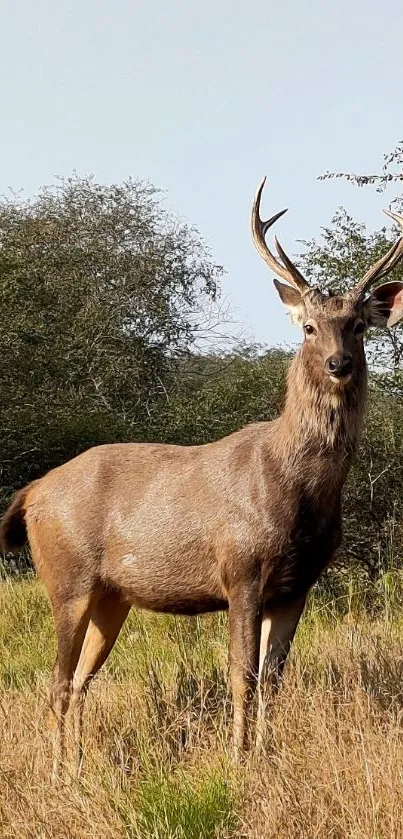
(320, 420)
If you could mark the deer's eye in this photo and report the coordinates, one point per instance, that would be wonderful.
(359, 328)
(309, 329)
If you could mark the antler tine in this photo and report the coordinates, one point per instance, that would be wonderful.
(304, 285)
(285, 269)
(386, 263)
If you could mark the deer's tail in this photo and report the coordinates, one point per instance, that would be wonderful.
(13, 531)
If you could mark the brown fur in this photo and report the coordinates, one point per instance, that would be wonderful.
(246, 523)
(13, 531)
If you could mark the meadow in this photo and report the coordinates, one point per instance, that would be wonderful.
(112, 329)
(158, 730)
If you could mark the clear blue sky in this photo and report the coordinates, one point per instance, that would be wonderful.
(203, 99)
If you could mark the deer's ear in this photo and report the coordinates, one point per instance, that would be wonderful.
(385, 305)
(292, 300)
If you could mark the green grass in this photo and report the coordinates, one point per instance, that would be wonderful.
(27, 642)
(180, 807)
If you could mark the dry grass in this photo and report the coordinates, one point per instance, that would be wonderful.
(158, 736)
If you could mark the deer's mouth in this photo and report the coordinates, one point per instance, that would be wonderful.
(341, 380)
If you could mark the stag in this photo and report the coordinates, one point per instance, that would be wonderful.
(246, 523)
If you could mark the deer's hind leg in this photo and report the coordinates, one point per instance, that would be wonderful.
(71, 622)
(107, 618)
(73, 587)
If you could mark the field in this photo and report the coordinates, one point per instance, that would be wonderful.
(157, 731)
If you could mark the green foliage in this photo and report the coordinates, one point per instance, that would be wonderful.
(217, 394)
(100, 289)
(345, 251)
(373, 525)
(338, 260)
(391, 172)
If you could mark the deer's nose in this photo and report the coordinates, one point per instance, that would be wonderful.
(339, 365)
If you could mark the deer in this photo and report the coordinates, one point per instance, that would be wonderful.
(245, 524)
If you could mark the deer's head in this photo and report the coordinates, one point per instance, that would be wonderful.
(334, 325)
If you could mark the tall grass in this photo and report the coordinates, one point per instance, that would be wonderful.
(157, 730)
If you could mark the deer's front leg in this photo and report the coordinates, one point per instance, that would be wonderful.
(277, 633)
(244, 626)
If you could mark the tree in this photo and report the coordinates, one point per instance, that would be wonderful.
(100, 288)
(373, 498)
(216, 394)
(391, 172)
(346, 250)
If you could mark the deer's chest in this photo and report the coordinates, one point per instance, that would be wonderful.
(303, 552)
